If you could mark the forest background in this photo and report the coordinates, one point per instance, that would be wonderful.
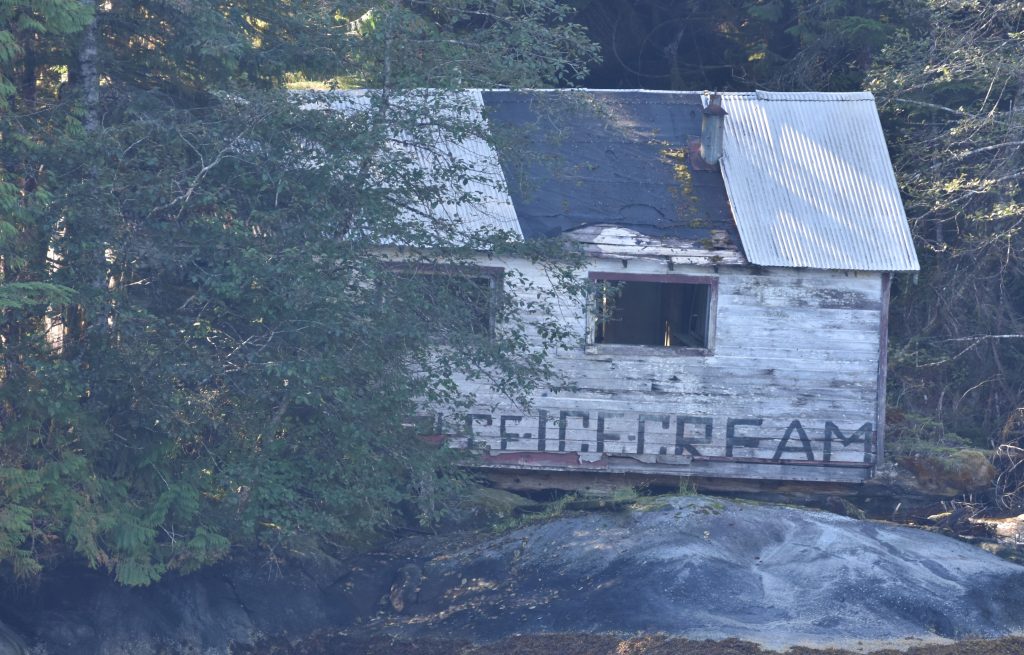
(196, 353)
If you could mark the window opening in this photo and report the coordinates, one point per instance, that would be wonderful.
(647, 313)
(474, 298)
(464, 298)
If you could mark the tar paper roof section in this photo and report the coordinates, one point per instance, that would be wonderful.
(581, 157)
(811, 184)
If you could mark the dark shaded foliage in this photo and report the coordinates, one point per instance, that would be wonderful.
(204, 344)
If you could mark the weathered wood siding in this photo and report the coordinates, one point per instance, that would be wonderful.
(788, 391)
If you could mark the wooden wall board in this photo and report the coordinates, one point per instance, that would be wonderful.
(791, 376)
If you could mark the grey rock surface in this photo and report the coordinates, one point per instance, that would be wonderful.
(11, 642)
(708, 568)
(696, 567)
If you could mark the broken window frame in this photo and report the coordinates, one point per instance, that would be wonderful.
(711, 282)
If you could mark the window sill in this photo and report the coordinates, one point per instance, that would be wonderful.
(644, 351)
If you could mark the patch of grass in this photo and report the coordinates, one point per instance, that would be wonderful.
(687, 488)
(620, 499)
(625, 494)
(939, 459)
(910, 434)
(552, 510)
(650, 504)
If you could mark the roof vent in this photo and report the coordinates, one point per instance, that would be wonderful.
(711, 129)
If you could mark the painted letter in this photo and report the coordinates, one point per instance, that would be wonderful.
(687, 443)
(484, 419)
(804, 447)
(863, 433)
(542, 429)
(563, 421)
(641, 428)
(743, 442)
(507, 436)
(601, 434)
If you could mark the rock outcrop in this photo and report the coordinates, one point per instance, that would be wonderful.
(694, 567)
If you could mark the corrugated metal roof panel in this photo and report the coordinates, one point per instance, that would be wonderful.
(479, 199)
(811, 184)
(487, 204)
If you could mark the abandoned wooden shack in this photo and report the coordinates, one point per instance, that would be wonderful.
(742, 247)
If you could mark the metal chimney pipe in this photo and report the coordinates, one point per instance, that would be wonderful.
(712, 128)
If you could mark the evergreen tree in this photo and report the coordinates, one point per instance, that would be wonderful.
(952, 91)
(738, 45)
(204, 343)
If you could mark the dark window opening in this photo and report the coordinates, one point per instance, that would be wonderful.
(449, 301)
(668, 314)
(474, 301)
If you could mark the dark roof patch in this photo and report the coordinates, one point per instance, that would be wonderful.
(577, 158)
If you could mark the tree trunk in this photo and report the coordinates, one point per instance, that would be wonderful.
(77, 316)
(88, 57)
